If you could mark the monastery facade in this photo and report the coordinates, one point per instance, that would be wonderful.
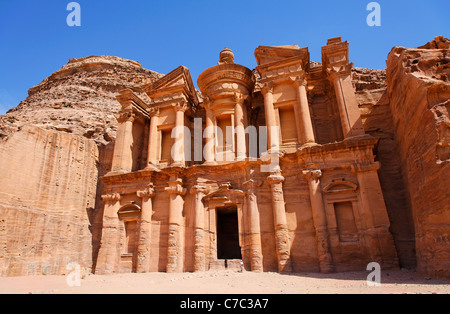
(286, 179)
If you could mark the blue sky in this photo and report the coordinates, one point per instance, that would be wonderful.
(35, 39)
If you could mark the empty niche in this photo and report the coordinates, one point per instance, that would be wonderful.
(130, 236)
(345, 219)
(166, 145)
(288, 125)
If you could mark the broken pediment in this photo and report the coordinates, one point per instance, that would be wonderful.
(127, 95)
(129, 99)
(176, 82)
(335, 53)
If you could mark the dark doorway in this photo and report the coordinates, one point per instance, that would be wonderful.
(228, 233)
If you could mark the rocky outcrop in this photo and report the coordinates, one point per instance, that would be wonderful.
(53, 148)
(407, 107)
(80, 98)
(439, 42)
(419, 98)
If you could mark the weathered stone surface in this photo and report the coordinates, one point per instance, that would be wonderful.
(79, 98)
(439, 42)
(47, 198)
(419, 94)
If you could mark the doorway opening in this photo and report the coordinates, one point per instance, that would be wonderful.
(228, 233)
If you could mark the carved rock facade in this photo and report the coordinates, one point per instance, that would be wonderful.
(311, 197)
(307, 199)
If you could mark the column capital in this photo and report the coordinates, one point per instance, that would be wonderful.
(206, 103)
(275, 178)
(149, 192)
(298, 81)
(312, 175)
(153, 112)
(200, 189)
(267, 88)
(180, 106)
(126, 116)
(176, 187)
(365, 167)
(252, 184)
(113, 197)
(240, 98)
(338, 71)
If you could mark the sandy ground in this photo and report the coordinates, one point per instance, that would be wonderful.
(228, 282)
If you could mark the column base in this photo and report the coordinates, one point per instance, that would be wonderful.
(307, 145)
(116, 172)
(178, 164)
(152, 167)
(285, 267)
(358, 137)
(326, 268)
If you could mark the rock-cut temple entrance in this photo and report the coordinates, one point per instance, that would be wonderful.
(228, 234)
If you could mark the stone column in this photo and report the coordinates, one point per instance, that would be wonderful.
(254, 226)
(178, 152)
(153, 141)
(279, 218)
(341, 78)
(240, 125)
(378, 239)
(210, 143)
(176, 203)
(230, 154)
(123, 157)
(199, 193)
(303, 114)
(109, 253)
(145, 230)
(267, 91)
(320, 221)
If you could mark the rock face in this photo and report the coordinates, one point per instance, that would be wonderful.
(47, 198)
(53, 147)
(419, 97)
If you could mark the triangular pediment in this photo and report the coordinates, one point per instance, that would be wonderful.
(267, 55)
(178, 80)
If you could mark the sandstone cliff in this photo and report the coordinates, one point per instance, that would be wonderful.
(419, 97)
(53, 148)
(47, 197)
(79, 98)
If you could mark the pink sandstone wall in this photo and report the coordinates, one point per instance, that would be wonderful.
(49, 182)
(419, 95)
